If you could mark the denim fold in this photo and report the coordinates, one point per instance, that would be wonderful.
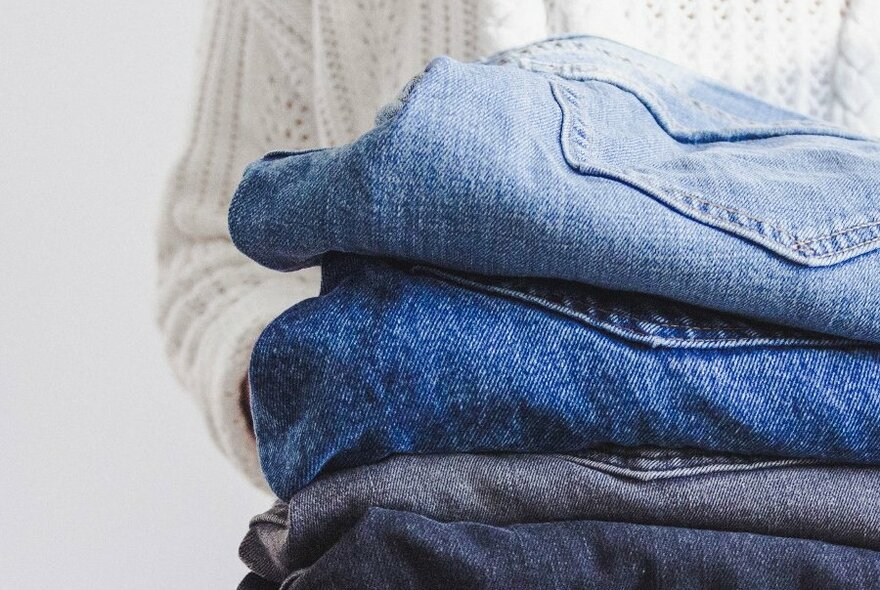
(587, 319)
(393, 549)
(584, 160)
(391, 360)
(787, 498)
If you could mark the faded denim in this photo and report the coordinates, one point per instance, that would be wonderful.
(392, 360)
(585, 160)
(391, 549)
(789, 498)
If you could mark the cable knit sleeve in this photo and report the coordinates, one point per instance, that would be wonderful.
(856, 79)
(212, 301)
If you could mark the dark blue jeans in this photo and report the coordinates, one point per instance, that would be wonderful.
(833, 503)
(392, 359)
(254, 582)
(390, 549)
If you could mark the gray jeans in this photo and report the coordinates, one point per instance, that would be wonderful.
(834, 503)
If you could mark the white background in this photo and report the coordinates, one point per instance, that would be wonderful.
(108, 478)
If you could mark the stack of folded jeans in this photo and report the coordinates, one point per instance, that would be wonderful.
(587, 320)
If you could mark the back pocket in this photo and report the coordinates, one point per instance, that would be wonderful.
(801, 188)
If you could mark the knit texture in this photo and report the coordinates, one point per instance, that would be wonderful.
(298, 74)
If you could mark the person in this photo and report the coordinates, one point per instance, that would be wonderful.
(300, 74)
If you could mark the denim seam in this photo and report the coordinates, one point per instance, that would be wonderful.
(549, 304)
(623, 457)
(674, 472)
(798, 246)
(848, 248)
(862, 226)
(640, 335)
(798, 250)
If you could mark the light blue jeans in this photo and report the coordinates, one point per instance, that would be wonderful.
(584, 160)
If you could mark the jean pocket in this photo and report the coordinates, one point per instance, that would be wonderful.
(636, 318)
(801, 188)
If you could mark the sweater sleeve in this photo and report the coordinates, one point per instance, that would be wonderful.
(212, 301)
(856, 80)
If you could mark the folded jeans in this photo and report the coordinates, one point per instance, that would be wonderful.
(681, 266)
(584, 160)
(393, 360)
(789, 498)
(393, 549)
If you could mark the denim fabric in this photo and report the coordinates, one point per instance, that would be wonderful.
(390, 549)
(584, 160)
(836, 504)
(254, 582)
(389, 361)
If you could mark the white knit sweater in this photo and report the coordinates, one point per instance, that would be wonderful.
(292, 74)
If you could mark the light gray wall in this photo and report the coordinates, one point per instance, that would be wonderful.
(107, 476)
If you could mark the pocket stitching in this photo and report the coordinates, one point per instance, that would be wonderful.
(835, 234)
(803, 248)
